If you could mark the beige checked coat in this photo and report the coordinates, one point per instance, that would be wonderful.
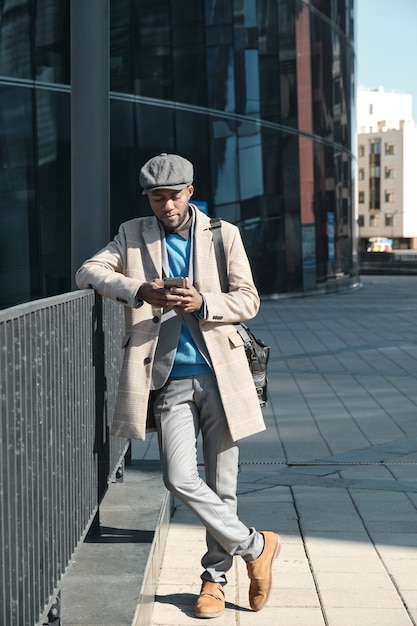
(135, 256)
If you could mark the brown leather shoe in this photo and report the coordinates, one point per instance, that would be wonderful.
(210, 602)
(260, 571)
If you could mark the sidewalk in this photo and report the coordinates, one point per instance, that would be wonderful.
(335, 473)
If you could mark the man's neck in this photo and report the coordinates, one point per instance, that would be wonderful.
(183, 229)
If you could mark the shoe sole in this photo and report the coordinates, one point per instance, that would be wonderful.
(208, 615)
(274, 556)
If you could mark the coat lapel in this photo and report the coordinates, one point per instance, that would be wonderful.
(202, 250)
(153, 240)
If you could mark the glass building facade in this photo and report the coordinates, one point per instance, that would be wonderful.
(258, 94)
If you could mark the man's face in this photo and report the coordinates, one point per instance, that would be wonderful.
(170, 206)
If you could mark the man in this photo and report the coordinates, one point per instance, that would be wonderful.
(185, 369)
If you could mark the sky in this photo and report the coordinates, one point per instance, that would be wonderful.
(386, 46)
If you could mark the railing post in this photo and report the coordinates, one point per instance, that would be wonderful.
(101, 443)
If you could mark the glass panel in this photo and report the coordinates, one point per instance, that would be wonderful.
(125, 191)
(287, 63)
(273, 247)
(192, 141)
(272, 162)
(189, 77)
(229, 212)
(269, 80)
(323, 60)
(250, 161)
(188, 32)
(52, 41)
(18, 234)
(324, 6)
(219, 36)
(223, 161)
(120, 46)
(252, 82)
(218, 12)
(15, 39)
(268, 27)
(332, 85)
(250, 13)
(220, 79)
(186, 12)
(152, 72)
(150, 30)
(54, 190)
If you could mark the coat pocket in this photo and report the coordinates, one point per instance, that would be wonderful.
(236, 340)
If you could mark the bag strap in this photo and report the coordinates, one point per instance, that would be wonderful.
(242, 329)
(215, 227)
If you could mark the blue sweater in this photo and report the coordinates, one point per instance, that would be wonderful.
(188, 360)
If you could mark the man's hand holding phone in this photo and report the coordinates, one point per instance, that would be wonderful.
(176, 292)
(182, 295)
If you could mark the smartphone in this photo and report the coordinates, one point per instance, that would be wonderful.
(177, 281)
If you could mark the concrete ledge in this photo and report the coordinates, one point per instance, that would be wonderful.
(113, 577)
(143, 614)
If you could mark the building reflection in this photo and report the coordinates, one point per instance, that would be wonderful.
(258, 94)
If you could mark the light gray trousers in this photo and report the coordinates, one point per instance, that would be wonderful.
(183, 408)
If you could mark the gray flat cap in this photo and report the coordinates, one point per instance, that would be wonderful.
(166, 171)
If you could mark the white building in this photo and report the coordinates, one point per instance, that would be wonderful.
(386, 168)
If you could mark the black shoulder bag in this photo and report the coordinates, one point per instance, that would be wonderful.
(257, 352)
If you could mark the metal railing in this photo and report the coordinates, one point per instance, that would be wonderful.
(396, 262)
(58, 378)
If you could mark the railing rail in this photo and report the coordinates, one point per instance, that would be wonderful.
(396, 262)
(60, 359)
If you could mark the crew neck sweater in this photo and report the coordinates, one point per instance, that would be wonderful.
(188, 359)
